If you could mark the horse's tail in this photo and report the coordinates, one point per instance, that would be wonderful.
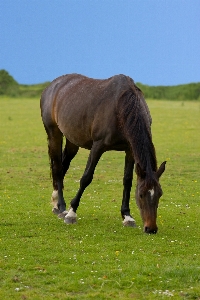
(54, 135)
(135, 123)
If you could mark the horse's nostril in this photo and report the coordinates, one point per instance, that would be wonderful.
(149, 230)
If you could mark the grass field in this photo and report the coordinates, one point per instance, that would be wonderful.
(98, 258)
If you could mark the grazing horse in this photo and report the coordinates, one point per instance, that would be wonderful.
(101, 115)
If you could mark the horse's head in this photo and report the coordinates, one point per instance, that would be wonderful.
(147, 197)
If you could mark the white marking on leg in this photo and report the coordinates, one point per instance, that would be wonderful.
(54, 198)
(71, 217)
(128, 218)
(55, 195)
(55, 210)
(71, 213)
(151, 192)
(129, 221)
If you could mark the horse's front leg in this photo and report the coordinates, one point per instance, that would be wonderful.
(127, 182)
(95, 154)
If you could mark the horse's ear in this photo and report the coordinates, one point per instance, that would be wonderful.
(139, 171)
(161, 169)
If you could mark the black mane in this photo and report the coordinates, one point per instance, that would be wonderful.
(135, 120)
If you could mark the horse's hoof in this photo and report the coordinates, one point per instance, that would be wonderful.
(71, 217)
(55, 211)
(129, 221)
(70, 220)
(129, 224)
(62, 214)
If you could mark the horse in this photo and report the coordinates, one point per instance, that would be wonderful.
(101, 115)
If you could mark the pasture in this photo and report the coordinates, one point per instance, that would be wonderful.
(98, 258)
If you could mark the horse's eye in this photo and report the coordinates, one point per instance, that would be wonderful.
(140, 195)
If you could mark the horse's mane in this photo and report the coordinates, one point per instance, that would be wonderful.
(135, 121)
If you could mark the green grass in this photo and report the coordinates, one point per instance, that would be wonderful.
(43, 258)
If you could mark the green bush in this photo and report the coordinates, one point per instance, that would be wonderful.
(8, 86)
(32, 91)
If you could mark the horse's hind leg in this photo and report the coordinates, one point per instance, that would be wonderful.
(55, 139)
(68, 154)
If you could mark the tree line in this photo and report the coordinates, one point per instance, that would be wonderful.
(10, 87)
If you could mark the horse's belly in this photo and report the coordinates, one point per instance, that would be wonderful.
(78, 140)
(76, 132)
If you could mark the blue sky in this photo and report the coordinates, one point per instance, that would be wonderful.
(156, 42)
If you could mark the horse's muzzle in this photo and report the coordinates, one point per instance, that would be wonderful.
(150, 230)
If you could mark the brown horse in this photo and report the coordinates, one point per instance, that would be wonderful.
(102, 115)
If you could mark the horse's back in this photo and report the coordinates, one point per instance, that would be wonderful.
(72, 85)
